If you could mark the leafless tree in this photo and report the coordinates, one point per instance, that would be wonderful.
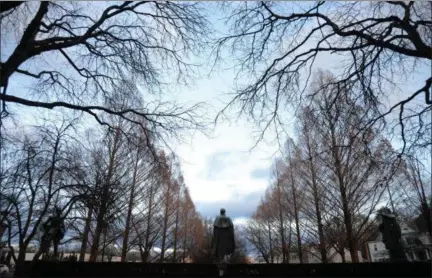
(331, 179)
(81, 54)
(411, 191)
(356, 165)
(262, 230)
(42, 173)
(311, 174)
(277, 45)
(293, 191)
(188, 216)
(117, 198)
(282, 208)
(142, 166)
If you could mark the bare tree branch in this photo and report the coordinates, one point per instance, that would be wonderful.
(276, 45)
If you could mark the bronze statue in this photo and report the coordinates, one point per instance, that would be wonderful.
(53, 231)
(223, 243)
(391, 234)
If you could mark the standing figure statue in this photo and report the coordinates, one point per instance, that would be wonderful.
(53, 231)
(223, 243)
(391, 234)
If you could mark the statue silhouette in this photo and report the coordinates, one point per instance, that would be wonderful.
(53, 231)
(223, 243)
(391, 234)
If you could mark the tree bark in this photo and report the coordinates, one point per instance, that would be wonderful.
(296, 218)
(86, 232)
(147, 247)
(164, 229)
(318, 215)
(281, 222)
(186, 229)
(270, 243)
(21, 257)
(100, 221)
(316, 199)
(130, 206)
(25, 49)
(343, 255)
(344, 199)
(175, 237)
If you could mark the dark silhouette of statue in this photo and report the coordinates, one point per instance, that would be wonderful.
(223, 243)
(5, 254)
(391, 234)
(53, 231)
(3, 227)
(424, 220)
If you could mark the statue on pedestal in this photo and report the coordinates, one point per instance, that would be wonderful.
(391, 234)
(53, 231)
(223, 243)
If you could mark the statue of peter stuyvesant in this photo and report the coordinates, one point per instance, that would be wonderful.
(223, 243)
(53, 231)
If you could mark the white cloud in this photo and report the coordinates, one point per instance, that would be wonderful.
(219, 169)
(241, 221)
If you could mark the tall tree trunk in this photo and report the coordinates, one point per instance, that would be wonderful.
(296, 218)
(100, 220)
(129, 212)
(143, 253)
(316, 199)
(343, 255)
(344, 199)
(100, 223)
(185, 235)
(348, 222)
(175, 237)
(318, 215)
(21, 258)
(104, 243)
(289, 242)
(165, 221)
(270, 243)
(147, 247)
(86, 232)
(281, 222)
(311, 153)
(164, 233)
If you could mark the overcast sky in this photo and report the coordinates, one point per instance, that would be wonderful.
(220, 171)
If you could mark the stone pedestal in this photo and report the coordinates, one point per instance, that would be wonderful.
(222, 266)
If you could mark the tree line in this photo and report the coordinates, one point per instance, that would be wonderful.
(116, 182)
(111, 191)
(330, 181)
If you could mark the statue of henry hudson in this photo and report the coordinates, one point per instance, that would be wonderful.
(223, 243)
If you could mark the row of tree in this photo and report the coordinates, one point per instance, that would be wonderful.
(113, 187)
(331, 180)
(94, 49)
